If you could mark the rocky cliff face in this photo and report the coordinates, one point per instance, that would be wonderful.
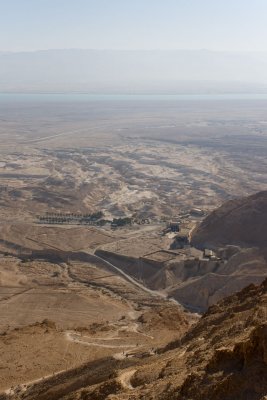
(235, 350)
(223, 357)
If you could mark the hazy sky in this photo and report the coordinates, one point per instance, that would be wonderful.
(133, 24)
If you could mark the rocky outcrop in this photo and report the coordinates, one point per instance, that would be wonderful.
(223, 357)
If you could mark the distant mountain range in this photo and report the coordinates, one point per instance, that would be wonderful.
(118, 71)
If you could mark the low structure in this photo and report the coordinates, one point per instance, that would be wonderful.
(174, 226)
(209, 254)
(197, 212)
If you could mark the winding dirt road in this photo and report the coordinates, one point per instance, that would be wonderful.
(125, 379)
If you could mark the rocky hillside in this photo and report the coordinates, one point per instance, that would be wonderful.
(241, 222)
(223, 357)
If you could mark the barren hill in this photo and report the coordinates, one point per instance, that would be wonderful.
(241, 222)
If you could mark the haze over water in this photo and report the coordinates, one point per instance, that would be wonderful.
(82, 97)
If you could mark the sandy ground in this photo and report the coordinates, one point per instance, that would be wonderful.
(89, 312)
(40, 350)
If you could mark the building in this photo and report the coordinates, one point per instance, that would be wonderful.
(174, 226)
(208, 253)
(197, 212)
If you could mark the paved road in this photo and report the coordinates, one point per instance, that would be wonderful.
(44, 138)
(130, 279)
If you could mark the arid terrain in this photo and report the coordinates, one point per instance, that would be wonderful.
(112, 247)
(153, 158)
